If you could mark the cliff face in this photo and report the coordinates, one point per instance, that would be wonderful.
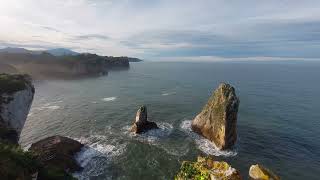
(16, 96)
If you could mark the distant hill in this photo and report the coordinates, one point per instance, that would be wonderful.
(62, 52)
(55, 52)
(47, 66)
(18, 50)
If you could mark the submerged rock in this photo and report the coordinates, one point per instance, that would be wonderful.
(207, 169)
(141, 123)
(258, 172)
(58, 152)
(218, 119)
(16, 96)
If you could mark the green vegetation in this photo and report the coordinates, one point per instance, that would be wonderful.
(7, 135)
(190, 170)
(15, 163)
(12, 83)
(207, 169)
(54, 173)
(18, 164)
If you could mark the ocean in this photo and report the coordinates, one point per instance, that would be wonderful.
(278, 119)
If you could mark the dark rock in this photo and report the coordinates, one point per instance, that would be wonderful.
(58, 152)
(141, 123)
(218, 119)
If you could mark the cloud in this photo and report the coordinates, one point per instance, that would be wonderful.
(229, 59)
(91, 36)
(167, 28)
(50, 28)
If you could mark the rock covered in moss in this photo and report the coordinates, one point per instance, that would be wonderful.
(207, 169)
(16, 96)
(218, 119)
(141, 123)
(258, 172)
(58, 152)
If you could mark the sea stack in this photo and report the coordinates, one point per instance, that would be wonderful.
(141, 123)
(218, 119)
(16, 96)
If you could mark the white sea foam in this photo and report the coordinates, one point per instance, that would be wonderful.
(168, 93)
(45, 108)
(204, 144)
(151, 136)
(53, 107)
(157, 137)
(96, 155)
(109, 99)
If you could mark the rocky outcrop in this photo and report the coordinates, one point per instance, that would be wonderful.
(141, 123)
(258, 172)
(218, 119)
(207, 169)
(58, 152)
(16, 96)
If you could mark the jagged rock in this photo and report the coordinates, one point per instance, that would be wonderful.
(207, 169)
(218, 119)
(141, 123)
(16, 96)
(258, 172)
(58, 152)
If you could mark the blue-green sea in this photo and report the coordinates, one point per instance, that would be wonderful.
(278, 120)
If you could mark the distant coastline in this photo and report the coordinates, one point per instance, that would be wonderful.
(59, 63)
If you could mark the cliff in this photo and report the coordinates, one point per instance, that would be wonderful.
(47, 66)
(16, 96)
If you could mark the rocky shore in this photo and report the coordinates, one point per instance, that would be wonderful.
(54, 157)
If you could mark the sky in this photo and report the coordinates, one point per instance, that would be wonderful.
(166, 29)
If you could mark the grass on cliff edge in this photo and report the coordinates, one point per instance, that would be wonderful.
(15, 163)
(12, 83)
(18, 164)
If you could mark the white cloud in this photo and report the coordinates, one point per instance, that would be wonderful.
(54, 23)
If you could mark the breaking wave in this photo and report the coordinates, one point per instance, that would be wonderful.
(204, 144)
(151, 136)
(168, 93)
(96, 156)
(107, 99)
